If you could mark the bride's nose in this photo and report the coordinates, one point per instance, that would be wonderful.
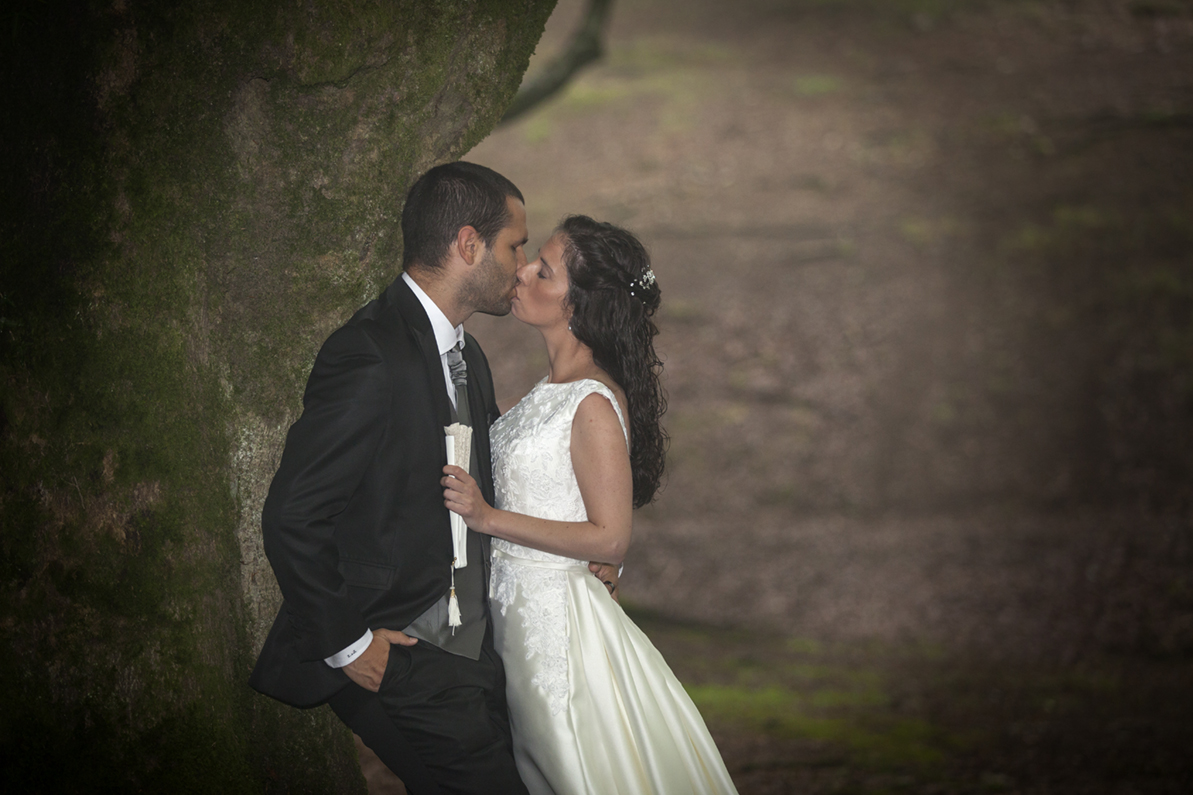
(524, 272)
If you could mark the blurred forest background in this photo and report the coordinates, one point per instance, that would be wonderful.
(927, 271)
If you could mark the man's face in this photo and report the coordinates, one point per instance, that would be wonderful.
(493, 283)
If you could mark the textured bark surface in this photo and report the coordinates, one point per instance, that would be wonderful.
(198, 197)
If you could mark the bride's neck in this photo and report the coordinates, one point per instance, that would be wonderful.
(568, 359)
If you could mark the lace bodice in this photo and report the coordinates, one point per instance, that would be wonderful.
(532, 457)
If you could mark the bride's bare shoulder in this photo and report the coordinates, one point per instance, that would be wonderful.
(596, 411)
(601, 377)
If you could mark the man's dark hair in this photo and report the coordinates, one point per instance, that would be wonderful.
(449, 197)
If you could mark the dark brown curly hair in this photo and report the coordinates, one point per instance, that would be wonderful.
(613, 296)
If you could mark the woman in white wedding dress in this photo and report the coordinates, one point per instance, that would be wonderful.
(593, 706)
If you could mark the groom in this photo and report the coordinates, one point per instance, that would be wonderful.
(355, 525)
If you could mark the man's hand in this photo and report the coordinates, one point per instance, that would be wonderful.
(368, 669)
(607, 573)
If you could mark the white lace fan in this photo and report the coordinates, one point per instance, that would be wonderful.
(458, 439)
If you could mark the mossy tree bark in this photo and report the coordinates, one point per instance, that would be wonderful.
(198, 196)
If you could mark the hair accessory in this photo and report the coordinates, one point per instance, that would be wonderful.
(642, 282)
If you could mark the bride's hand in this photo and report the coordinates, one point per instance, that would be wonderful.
(462, 495)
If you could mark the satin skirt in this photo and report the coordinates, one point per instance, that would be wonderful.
(594, 708)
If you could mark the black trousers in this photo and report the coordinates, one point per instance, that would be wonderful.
(439, 721)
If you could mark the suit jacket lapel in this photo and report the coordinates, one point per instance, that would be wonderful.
(480, 435)
(420, 326)
(404, 300)
(480, 440)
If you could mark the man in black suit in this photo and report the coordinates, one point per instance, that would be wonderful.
(355, 524)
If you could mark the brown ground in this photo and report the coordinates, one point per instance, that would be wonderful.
(928, 330)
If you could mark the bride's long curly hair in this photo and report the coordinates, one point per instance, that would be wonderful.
(613, 296)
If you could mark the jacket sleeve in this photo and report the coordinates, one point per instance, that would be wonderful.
(328, 450)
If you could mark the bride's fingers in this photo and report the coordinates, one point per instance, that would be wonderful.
(454, 484)
(456, 472)
(459, 499)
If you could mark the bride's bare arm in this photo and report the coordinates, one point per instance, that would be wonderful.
(602, 465)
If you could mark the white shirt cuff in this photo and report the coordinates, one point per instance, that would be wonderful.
(352, 652)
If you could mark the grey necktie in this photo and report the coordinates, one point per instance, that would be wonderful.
(459, 375)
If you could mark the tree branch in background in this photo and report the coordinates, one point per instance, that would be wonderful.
(584, 48)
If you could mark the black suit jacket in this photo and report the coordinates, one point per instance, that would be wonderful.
(354, 524)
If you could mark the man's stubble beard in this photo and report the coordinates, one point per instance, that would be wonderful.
(488, 291)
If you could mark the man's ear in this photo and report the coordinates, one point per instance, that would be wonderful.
(469, 245)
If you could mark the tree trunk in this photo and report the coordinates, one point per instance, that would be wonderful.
(196, 196)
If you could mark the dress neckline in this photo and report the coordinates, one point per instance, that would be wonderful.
(545, 382)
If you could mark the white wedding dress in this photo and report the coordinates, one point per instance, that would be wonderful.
(593, 706)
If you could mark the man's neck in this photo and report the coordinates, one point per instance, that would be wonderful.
(439, 291)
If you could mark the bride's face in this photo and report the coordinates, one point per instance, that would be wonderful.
(541, 295)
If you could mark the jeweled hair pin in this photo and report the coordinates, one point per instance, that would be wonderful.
(642, 282)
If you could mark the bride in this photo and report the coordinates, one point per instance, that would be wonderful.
(593, 706)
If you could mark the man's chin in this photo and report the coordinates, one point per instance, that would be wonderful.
(496, 311)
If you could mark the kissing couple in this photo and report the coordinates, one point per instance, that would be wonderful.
(440, 596)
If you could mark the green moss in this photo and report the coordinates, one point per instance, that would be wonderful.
(816, 85)
(779, 712)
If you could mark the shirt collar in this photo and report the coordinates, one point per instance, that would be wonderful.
(446, 336)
